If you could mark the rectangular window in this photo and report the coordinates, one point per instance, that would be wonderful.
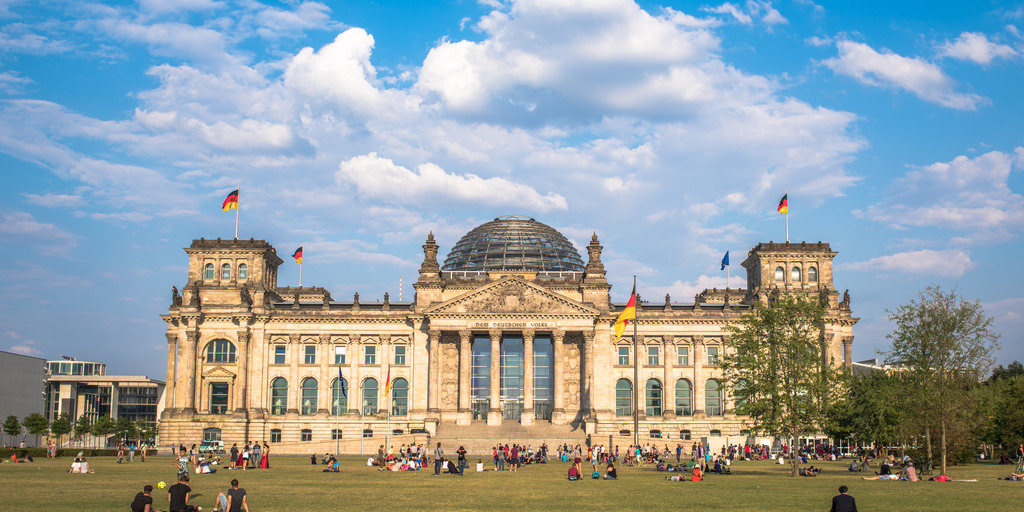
(275, 436)
(218, 398)
(335, 434)
(712, 355)
(278, 354)
(307, 435)
(339, 354)
(683, 356)
(399, 354)
(370, 354)
(623, 355)
(652, 356)
(310, 354)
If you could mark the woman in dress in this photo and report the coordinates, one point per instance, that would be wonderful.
(265, 457)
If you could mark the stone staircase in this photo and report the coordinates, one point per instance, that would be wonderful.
(478, 438)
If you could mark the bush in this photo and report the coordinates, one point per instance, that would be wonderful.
(40, 453)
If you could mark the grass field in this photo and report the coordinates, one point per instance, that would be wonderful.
(293, 484)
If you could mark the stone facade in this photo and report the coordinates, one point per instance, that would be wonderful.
(250, 361)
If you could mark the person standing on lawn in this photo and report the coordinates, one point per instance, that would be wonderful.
(182, 463)
(438, 459)
(843, 502)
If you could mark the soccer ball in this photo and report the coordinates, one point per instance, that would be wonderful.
(162, 484)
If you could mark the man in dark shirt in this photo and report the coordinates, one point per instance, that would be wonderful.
(843, 502)
(234, 500)
(177, 497)
(144, 500)
(234, 455)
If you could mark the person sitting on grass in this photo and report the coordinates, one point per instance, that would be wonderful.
(178, 495)
(144, 501)
(809, 471)
(909, 473)
(698, 474)
(574, 474)
(333, 466)
(232, 501)
(609, 472)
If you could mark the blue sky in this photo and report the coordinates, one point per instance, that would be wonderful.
(671, 129)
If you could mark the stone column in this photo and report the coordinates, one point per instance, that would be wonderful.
(435, 373)
(587, 404)
(355, 389)
(558, 390)
(294, 391)
(323, 395)
(242, 379)
(190, 370)
(465, 416)
(494, 414)
(668, 400)
(384, 404)
(698, 377)
(172, 356)
(848, 352)
(528, 412)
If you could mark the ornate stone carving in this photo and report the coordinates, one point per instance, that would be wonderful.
(429, 264)
(449, 376)
(193, 299)
(385, 338)
(326, 306)
(245, 297)
(175, 296)
(698, 340)
(355, 302)
(387, 303)
(325, 338)
(696, 302)
(243, 336)
(294, 339)
(668, 302)
(513, 296)
(571, 375)
(295, 301)
(845, 304)
(193, 337)
(594, 264)
(823, 298)
(171, 338)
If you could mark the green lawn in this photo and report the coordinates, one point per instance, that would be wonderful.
(293, 484)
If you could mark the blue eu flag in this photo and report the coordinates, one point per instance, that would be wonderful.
(725, 261)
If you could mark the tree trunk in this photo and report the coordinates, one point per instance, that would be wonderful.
(928, 443)
(943, 447)
(793, 459)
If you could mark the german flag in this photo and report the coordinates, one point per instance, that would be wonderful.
(627, 314)
(298, 255)
(387, 385)
(784, 204)
(230, 202)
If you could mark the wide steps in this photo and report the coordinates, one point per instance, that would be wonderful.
(478, 438)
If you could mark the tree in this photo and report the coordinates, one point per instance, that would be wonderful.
(946, 344)
(12, 427)
(36, 425)
(874, 410)
(103, 427)
(61, 426)
(82, 426)
(125, 428)
(776, 371)
(1014, 369)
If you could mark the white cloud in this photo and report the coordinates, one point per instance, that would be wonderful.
(752, 10)
(11, 82)
(947, 263)
(888, 69)
(732, 10)
(685, 291)
(975, 46)
(21, 228)
(18, 38)
(169, 6)
(381, 178)
(274, 22)
(55, 200)
(967, 194)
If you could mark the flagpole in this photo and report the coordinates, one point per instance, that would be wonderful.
(636, 371)
(236, 213)
(387, 403)
(787, 216)
(300, 275)
(337, 413)
(728, 271)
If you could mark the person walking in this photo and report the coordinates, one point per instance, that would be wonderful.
(182, 463)
(843, 502)
(438, 459)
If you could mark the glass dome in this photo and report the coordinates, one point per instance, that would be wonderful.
(514, 242)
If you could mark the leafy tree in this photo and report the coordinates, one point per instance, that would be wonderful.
(125, 428)
(1014, 369)
(82, 426)
(12, 427)
(876, 410)
(775, 369)
(103, 427)
(946, 344)
(36, 425)
(61, 426)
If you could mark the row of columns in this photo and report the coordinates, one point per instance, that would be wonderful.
(465, 373)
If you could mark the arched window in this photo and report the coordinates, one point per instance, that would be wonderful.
(712, 398)
(780, 274)
(339, 400)
(243, 271)
(796, 274)
(370, 396)
(684, 398)
(225, 271)
(812, 275)
(400, 397)
(209, 271)
(308, 396)
(653, 397)
(220, 351)
(740, 396)
(623, 398)
(278, 396)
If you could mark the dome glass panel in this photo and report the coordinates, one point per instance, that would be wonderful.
(514, 242)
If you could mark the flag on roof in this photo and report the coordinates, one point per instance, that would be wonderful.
(230, 202)
(298, 255)
(627, 314)
(784, 204)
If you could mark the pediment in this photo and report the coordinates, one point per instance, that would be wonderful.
(219, 372)
(512, 295)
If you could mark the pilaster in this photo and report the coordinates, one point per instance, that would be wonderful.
(465, 415)
(527, 416)
(494, 414)
(558, 411)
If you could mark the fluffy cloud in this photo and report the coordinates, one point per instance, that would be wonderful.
(20, 228)
(888, 69)
(947, 263)
(380, 178)
(752, 10)
(13, 83)
(967, 194)
(975, 47)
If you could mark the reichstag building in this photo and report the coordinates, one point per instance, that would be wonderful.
(509, 339)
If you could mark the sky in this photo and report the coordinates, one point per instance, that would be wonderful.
(669, 129)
